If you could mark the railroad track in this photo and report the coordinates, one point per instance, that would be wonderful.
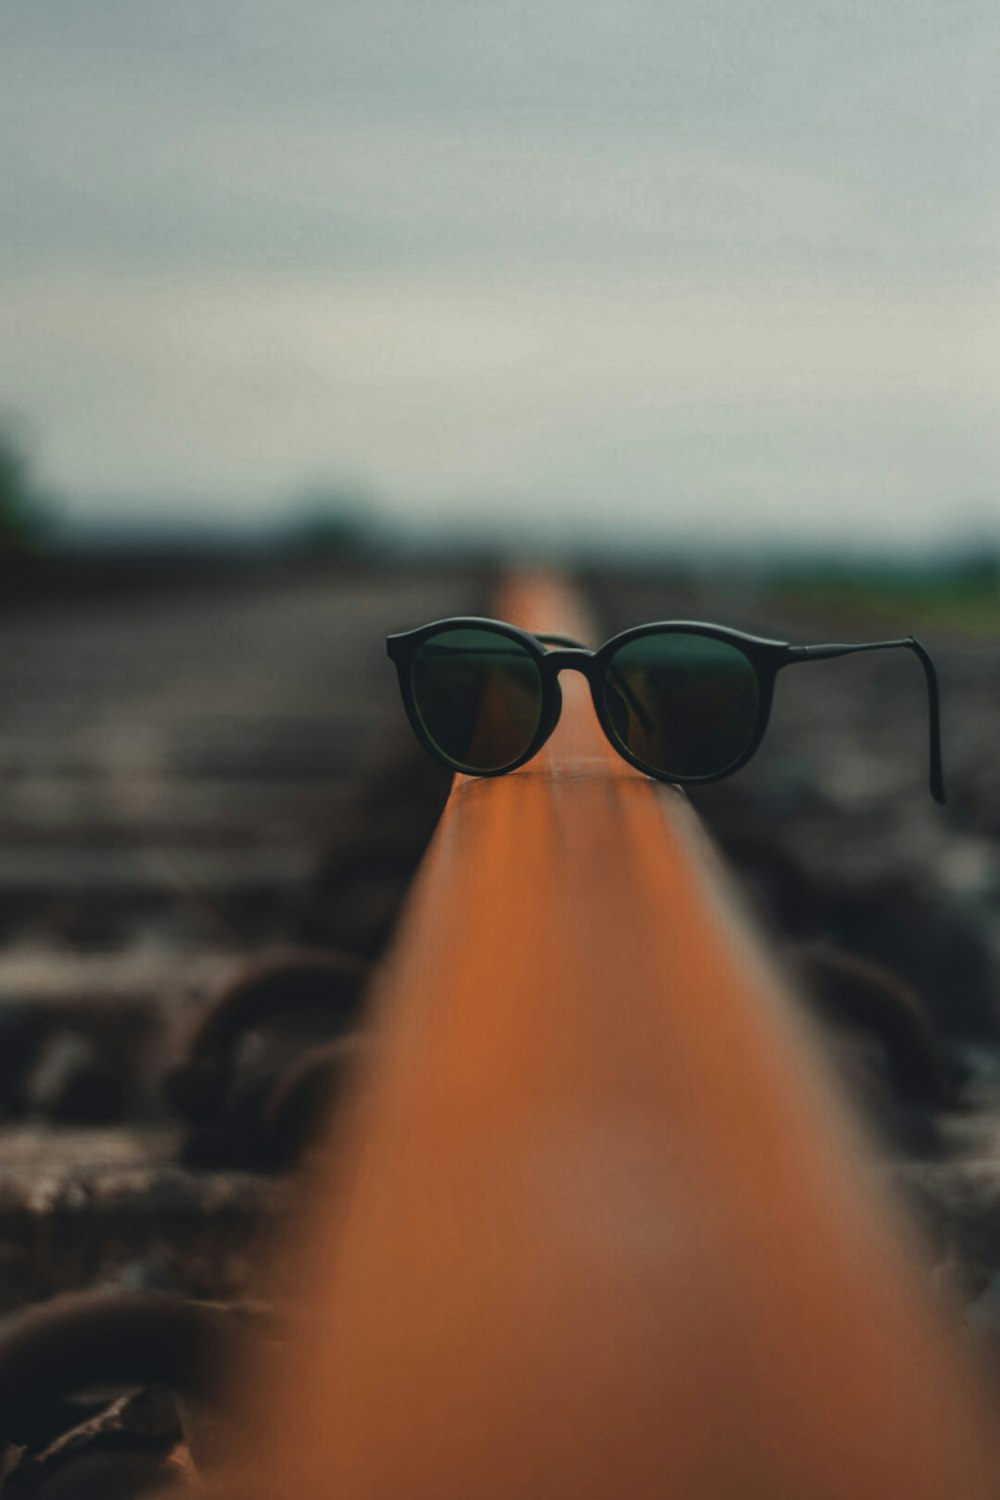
(576, 905)
(175, 765)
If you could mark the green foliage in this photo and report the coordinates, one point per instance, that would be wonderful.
(960, 594)
(21, 521)
(326, 524)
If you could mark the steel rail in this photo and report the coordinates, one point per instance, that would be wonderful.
(600, 1226)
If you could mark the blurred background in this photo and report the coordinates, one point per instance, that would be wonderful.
(696, 279)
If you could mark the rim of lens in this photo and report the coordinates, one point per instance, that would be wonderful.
(735, 724)
(513, 718)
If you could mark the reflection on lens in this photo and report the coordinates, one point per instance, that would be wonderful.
(479, 697)
(684, 705)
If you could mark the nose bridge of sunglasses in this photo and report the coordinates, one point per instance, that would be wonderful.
(533, 601)
(575, 659)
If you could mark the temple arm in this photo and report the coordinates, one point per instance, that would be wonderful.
(910, 643)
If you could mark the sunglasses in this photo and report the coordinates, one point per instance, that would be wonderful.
(683, 702)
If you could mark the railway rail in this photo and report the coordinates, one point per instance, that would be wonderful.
(600, 1224)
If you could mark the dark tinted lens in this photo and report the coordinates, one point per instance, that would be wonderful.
(685, 705)
(479, 697)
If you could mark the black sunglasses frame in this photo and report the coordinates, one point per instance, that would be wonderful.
(766, 657)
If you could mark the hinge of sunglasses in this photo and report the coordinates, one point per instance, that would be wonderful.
(910, 642)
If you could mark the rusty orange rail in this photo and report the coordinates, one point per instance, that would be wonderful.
(600, 1228)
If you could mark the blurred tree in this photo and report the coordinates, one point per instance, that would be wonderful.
(979, 566)
(21, 517)
(326, 523)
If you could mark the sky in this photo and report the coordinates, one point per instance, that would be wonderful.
(717, 271)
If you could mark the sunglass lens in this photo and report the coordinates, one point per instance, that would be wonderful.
(478, 695)
(684, 705)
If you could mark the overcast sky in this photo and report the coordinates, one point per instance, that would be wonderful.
(710, 269)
